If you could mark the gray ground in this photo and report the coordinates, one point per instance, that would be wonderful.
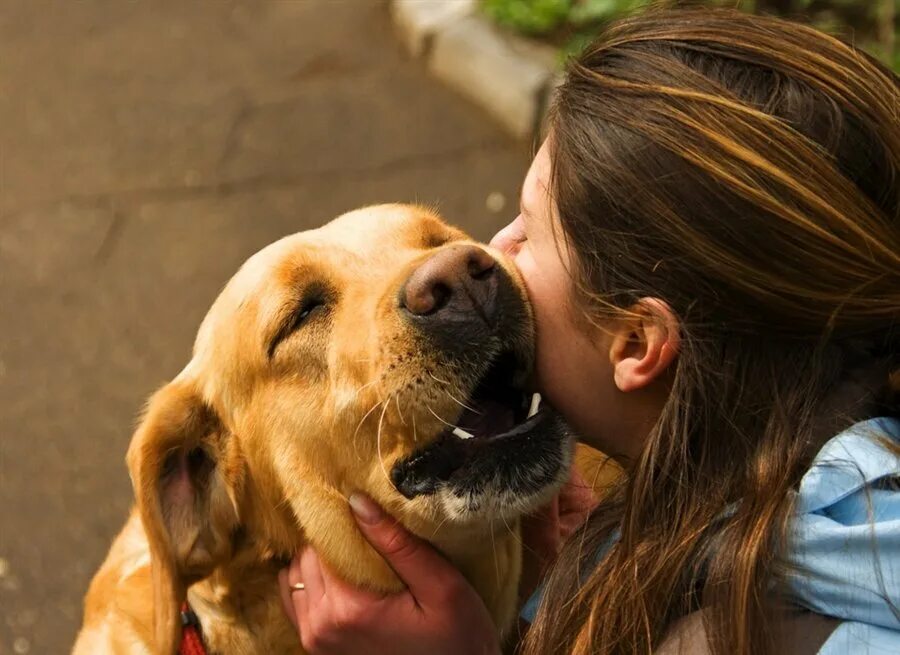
(146, 149)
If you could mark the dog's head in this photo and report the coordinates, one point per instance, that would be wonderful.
(385, 352)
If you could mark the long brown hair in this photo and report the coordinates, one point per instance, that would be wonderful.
(745, 170)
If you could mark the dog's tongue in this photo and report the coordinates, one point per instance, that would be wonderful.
(490, 418)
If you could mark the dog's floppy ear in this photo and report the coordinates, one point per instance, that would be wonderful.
(187, 474)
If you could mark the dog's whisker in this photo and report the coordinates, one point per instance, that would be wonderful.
(364, 387)
(363, 420)
(378, 441)
(512, 532)
(437, 379)
(452, 397)
(494, 550)
(399, 413)
(367, 385)
(440, 419)
(439, 526)
(462, 404)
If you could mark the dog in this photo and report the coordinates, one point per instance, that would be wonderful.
(385, 352)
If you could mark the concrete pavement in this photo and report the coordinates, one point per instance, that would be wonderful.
(146, 149)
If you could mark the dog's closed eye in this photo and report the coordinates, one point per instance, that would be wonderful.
(314, 301)
(306, 310)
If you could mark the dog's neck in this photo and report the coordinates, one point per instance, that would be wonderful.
(240, 608)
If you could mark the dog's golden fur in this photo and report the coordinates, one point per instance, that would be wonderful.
(252, 451)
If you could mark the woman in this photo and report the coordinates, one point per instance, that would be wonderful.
(710, 236)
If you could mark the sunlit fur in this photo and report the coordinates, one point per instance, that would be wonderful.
(283, 442)
(744, 170)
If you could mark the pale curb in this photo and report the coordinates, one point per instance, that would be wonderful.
(509, 76)
(418, 21)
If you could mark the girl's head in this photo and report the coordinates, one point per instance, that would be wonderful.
(728, 187)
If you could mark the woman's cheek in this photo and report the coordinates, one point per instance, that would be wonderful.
(561, 356)
(548, 340)
(549, 353)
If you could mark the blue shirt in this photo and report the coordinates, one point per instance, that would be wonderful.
(845, 540)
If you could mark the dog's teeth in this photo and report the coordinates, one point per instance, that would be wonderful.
(462, 434)
(535, 405)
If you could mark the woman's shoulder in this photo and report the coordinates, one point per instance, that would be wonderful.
(844, 552)
(853, 460)
(844, 542)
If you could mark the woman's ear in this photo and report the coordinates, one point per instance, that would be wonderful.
(187, 474)
(645, 341)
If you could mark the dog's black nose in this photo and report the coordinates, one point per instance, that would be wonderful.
(456, 281)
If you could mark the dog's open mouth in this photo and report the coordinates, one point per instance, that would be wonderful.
(498, 404)
(505, 442)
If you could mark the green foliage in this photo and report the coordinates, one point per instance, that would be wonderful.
(543, 16)
(591, 11)
(529, 16)
(571, 24)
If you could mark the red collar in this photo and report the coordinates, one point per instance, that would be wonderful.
(191, 636)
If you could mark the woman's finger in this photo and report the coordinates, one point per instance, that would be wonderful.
(426, 573)
(307, 569)
(287, 603)
(304, 570)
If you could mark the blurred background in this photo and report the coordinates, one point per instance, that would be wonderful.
(148, 148)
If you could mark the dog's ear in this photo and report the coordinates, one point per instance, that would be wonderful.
(187, 475)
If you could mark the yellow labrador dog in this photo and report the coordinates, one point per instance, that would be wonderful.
(386, 353)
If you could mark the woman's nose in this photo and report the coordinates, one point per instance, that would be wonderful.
(501, 240)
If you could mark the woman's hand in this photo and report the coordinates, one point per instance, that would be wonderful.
(439, 613)
(544, 531)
